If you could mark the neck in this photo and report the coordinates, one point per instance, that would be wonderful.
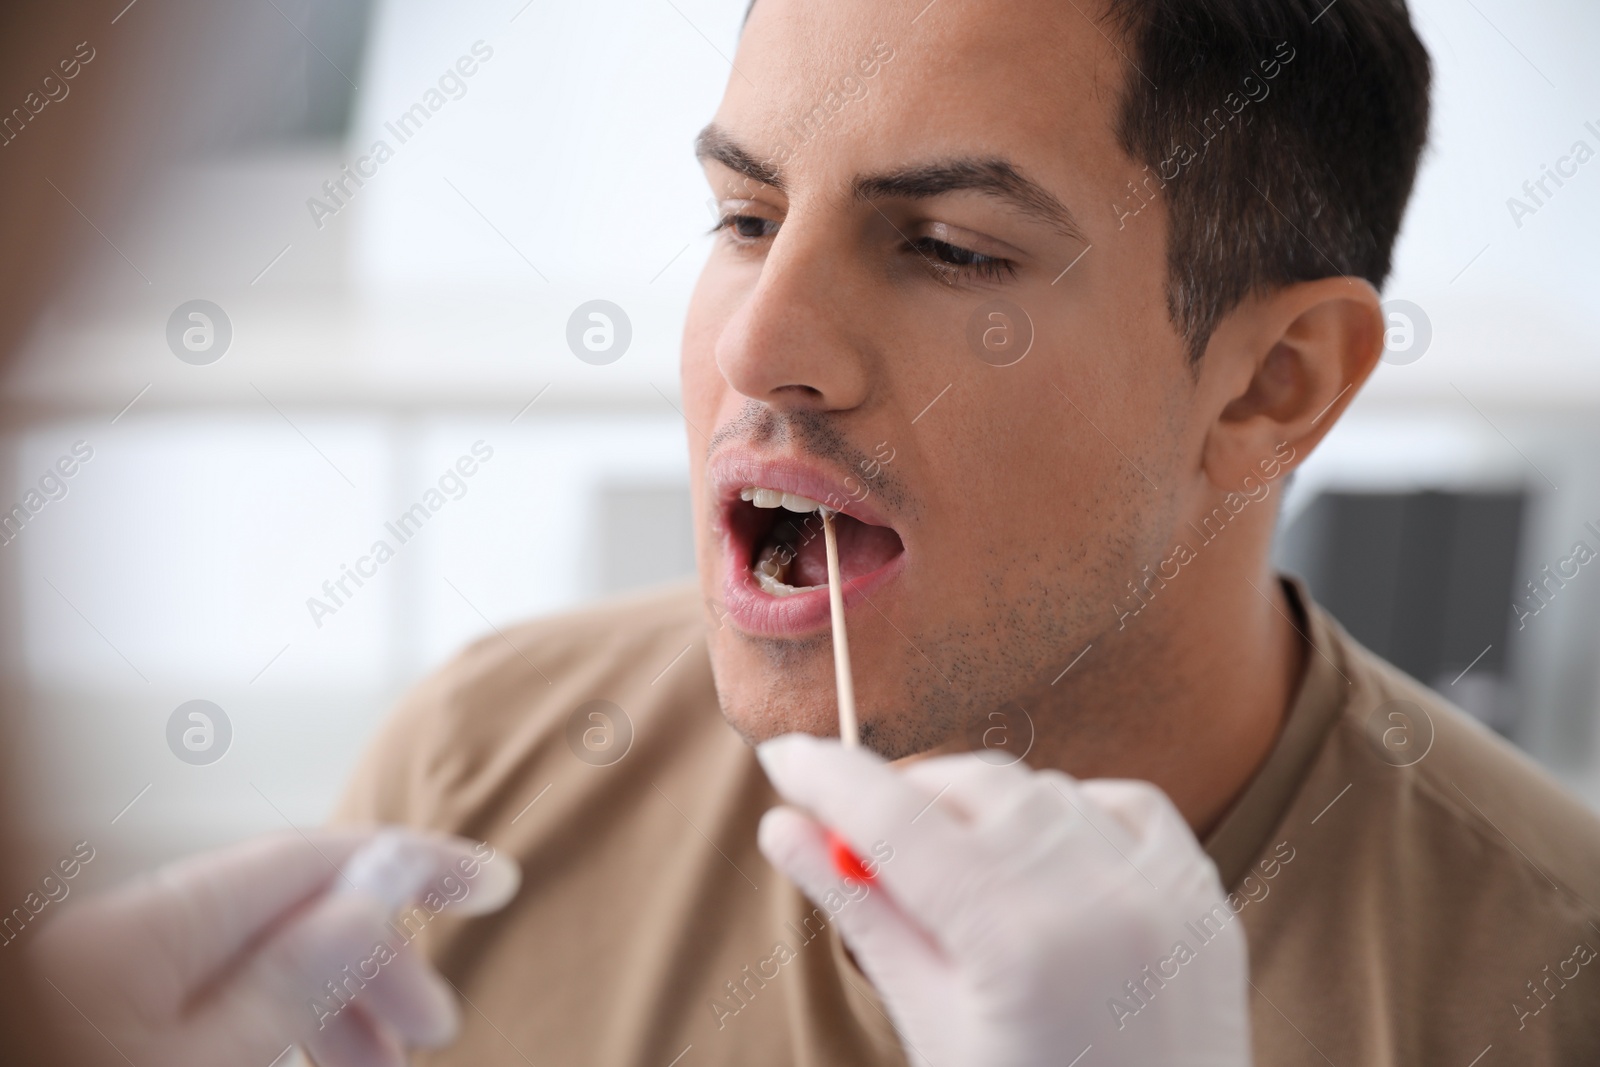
(1191, 693)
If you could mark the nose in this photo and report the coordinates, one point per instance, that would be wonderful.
(796, 341)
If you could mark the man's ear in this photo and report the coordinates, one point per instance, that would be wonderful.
(1287, 364)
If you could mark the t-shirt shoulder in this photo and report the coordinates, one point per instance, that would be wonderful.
(610, 633)
(1476, 780)
(507, 695)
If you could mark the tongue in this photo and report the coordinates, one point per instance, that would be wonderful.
(862, 550)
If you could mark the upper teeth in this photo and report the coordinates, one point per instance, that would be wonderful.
(774, 498)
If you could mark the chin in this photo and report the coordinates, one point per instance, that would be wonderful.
(769, 688)
(760, 713)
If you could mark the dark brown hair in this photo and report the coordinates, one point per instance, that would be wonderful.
(1309, 177)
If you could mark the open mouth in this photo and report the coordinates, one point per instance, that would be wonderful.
(774, 556)
(779, 536)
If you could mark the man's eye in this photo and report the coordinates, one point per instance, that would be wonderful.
(952, 261)
(746, 227)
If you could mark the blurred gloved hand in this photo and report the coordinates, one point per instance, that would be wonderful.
(228, 957)
(1017, 917)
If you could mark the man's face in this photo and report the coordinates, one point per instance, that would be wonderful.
(910, 201)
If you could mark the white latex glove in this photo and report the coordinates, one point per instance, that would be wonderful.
(224, 958)
(1006, 920)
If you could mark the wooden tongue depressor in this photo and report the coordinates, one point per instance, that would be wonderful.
(849, 733)
(845, 861)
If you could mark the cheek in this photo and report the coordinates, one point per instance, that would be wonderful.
(1038, 461)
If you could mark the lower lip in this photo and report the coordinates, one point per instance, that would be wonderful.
(756, 611)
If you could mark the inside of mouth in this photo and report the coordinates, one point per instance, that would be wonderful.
(788, 554)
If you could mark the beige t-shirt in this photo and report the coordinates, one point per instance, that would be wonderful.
(1413, 890)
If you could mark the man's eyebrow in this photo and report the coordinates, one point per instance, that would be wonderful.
(993, 176)
(996, 177)
(714, 143)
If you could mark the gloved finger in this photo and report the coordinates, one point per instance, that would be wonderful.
(401, 865)
(1023, 817)
(1159, 840)
(967, 786)
(938, 865)
(1018, 815)
(340, 942)
(301, 979)
(1124, 811)
(186, 920)
(1140, 808)
(411, 998)
(353, 1039)
(887, 943)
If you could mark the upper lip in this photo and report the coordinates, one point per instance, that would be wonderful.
(731, 471)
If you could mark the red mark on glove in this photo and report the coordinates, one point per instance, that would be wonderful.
(847, 862)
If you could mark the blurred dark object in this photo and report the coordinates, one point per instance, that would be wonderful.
(305, 91)
(1424, 579)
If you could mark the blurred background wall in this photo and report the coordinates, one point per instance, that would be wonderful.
(377, 321)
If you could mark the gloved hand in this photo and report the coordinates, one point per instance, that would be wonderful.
(228, 957)
(1017, 917)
